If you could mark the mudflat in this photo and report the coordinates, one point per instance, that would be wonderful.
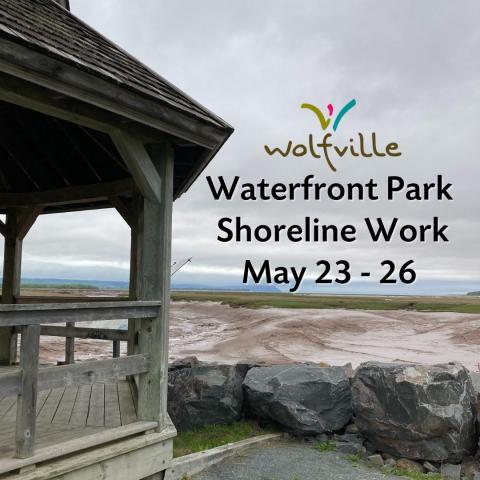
(215, 332)
(334, 330)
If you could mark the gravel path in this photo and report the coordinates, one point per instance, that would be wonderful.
(290, 461)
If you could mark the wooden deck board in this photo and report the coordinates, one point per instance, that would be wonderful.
(96, 440)
(64, 410)
(82, 405)
(6, 404)
(50, 406)
(96, 414)
(112, 406)
(41, 399)
(127, 406)
(65, 414)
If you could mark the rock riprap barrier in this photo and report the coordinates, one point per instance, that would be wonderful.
(303, 399)
(204, 394)
(416, 411)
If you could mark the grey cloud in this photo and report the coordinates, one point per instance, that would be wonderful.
(411, 66)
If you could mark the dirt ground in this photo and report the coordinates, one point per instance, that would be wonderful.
(215, 332)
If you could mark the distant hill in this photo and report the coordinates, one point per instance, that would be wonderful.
(123, 285)
(227, 288)
(74, 284)
(476, 294)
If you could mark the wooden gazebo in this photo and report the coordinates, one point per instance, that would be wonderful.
(84, 125)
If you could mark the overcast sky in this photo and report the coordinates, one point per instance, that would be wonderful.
(413, 69)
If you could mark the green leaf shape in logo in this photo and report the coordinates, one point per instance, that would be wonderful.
(323, 122)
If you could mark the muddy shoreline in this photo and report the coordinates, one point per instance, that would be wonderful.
(215, 332)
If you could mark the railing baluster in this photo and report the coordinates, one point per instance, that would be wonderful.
(27, 399)
(116, 348)
(70, 347)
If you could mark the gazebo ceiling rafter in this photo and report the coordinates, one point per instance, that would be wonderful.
(54, 63)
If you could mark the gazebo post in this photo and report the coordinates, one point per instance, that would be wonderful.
(129, 212)
(152, 170)
(133, 289)
(154, 276)
(12, 259)
(18, 223)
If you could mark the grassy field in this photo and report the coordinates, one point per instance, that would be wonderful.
(461, 304)
(211, 436)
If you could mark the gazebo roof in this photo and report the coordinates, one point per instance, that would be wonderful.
(45, 47)
(48, 27)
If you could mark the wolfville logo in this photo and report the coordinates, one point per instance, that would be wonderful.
(364, 145)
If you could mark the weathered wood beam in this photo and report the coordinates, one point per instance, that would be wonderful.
(79, 373)
(12, 258)
(139, 163)
(116, 349)
(103, 446)
(48, 72)
(84, 332)
(27, 95)
(12, 262)
(27, 396)
(153, 277)
(3, 228)
(35, 314)
(70, 346)
(65, 196)
(92, 372)
(26, 219)
(123, 208)
(133, 324)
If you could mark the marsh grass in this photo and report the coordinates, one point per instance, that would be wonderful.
(459, 304)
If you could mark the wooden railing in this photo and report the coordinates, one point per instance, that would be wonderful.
(29, 319)
(69, 332)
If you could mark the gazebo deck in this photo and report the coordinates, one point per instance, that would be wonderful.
(75, 420)
(70, 412)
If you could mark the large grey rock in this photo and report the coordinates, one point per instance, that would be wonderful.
(304, 399)
(186, 362)
(414, 411)
(475, 376)
(201, 394)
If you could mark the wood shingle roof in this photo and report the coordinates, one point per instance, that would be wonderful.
(46, 26)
